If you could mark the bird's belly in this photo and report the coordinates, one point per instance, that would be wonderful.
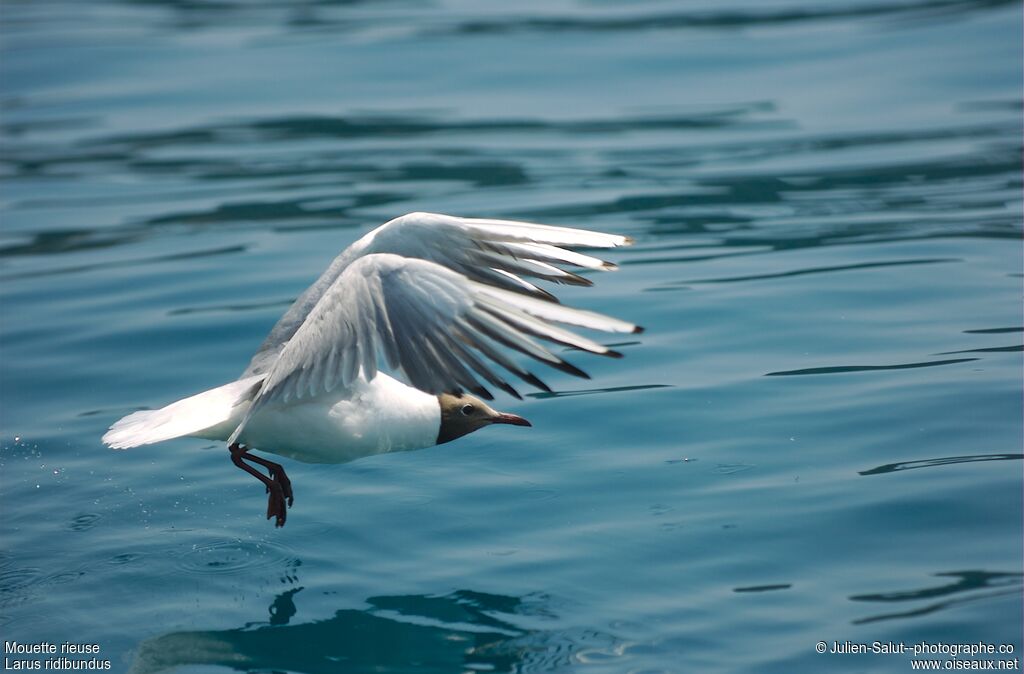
(379, 417)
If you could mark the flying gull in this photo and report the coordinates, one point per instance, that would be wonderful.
(440, 300)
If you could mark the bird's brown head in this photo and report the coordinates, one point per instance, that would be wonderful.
(463, 414)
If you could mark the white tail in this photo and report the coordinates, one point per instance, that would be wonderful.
(190, 416)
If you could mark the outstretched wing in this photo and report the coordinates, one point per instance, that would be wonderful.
(500, 253)
(439, 327)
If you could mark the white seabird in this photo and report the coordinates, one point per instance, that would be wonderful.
(437, 296)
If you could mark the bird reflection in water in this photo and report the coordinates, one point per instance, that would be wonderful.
(461, 631)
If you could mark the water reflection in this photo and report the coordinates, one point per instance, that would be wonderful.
(975, 582)
(461, 631)
(283, 608)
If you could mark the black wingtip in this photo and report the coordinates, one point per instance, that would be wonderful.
(611, 353)
(544, 295)
(481, 392)
(577, 280)
(536, 382)
(637, 329)
(507, 388)
(569, 368)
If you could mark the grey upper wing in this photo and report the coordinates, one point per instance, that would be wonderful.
(296, 314)
(502, 253)
(442, 329)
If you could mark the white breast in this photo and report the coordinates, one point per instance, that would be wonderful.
(383, 415)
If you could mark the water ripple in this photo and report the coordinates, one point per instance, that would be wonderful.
(402, 19)
(235, 556)
(594, 391)
(763, 588)
(231, 308)
(189, 255)
(84, 521)
(729, 19)
(993, 331)
(818, 270)
(867, 368)
(940, 461)
(20, 584)
(16, 583)
(987, 349)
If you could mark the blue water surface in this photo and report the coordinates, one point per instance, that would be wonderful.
(817, 438)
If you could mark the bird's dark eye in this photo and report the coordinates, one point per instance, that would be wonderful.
(467, 409)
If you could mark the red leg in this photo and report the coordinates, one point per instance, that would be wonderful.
(276, 502)
(276, 473)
